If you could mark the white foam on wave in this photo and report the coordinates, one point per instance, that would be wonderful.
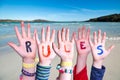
(7, 36)
(113, 38)
(4, 25)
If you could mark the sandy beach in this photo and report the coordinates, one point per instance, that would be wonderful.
(37, 15)
(10, 64)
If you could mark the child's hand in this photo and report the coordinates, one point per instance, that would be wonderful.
(65, 51)
(27, 44)
(98, 49)
(65, 47)
(83, 48)
(45, 50)
(82, 42)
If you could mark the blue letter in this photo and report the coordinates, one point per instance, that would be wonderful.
(100, 48)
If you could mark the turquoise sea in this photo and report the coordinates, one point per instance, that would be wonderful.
(7, 30)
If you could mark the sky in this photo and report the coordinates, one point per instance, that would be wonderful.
(57, 10)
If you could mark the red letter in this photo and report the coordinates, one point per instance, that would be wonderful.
(82, 45)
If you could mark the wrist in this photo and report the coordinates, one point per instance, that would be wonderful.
(45, 63)
(82, 55)
(28, 64)
(82, 59)
(64, 69)
(66, 64)
(28, 60)
(28, 69)
(81, 63)
(66, 60)
(98, 64)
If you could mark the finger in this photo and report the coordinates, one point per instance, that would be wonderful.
(72, 40)
(14, 46)
(74, 35)
(90, 42)
(55, 48)
(79, 33)
(83, 32)
(36, 38)
(99, 36)
(18, 34)
(59, 36)
(104, 38)
(63, 34)
(29, 33)
(53, 36)
(34, 34)
(88, 33)
(48, 33)
(95, 38)
(67, 34)
(43, 35)
(110, 48)
(23, 30)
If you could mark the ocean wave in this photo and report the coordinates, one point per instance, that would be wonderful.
(113, 38)
(4, 47)
(4, 25)
(7, 36)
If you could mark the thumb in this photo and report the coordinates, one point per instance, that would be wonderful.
(55, 48)
(74, 36)
(35, 31)
(36, 38)
(110, 48)
(14, 46)
(90, 42)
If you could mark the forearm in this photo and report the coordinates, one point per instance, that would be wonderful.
(65, 76)
(82, 75)
(32, 70)
(42, 72)
(97, 73)
(98, 64)
(97, 70)
(65, 71)
(81, 63)
(28, 69)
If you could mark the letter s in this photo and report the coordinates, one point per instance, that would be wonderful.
(101, 50)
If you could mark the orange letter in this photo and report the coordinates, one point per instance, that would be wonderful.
(48, 49)
(66, 49)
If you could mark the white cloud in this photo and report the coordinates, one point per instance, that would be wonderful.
(78, 9)
(90, 10)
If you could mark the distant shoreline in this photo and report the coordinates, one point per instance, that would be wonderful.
(41, 21)
(107, 18)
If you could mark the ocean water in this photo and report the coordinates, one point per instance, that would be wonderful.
(7, 32)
